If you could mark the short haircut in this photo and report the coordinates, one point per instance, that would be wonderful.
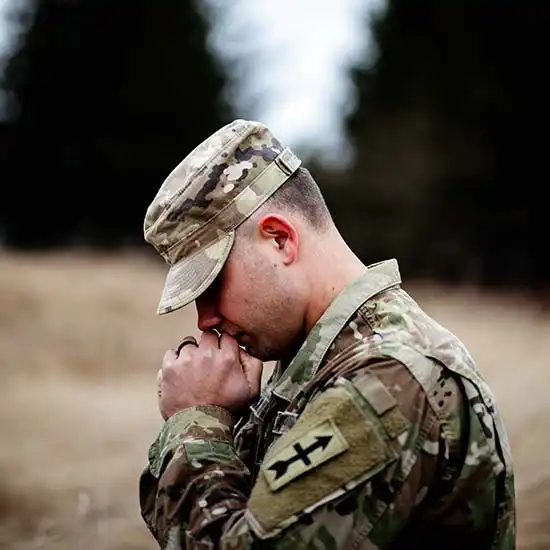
(301, 194)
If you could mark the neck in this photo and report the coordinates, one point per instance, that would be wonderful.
(333, 268)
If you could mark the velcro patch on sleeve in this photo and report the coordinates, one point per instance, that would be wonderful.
(334, 446)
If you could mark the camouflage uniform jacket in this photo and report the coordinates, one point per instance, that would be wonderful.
(381, 433)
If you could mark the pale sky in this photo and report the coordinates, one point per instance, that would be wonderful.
(287, 62)
(6, 34)
(4, 27)
(6, 37)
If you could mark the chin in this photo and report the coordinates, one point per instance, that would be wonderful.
(269, 353)
(258, 354)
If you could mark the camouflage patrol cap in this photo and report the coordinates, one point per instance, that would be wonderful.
(191, 221)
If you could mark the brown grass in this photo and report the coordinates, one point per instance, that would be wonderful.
(80, 345)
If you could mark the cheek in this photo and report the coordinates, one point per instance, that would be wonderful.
(236, 297)
(248, 290)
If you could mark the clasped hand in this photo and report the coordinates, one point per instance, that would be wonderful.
(214, 371)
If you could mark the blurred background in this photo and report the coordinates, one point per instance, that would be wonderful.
(422, 122)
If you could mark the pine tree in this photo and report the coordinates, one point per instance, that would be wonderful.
(447, 150)
(106, 98)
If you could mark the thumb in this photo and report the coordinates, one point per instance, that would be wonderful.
(252, 369)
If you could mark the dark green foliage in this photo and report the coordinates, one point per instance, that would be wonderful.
(107, 97)
(450, 149)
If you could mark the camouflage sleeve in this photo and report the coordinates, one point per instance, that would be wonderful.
(194, 482)
(348, 474)
(379, 447)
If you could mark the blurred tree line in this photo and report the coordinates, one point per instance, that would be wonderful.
(450, 152)
(104, 98)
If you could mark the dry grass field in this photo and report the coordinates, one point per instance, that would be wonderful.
(80, 345)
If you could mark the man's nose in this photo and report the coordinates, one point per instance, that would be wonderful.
(208, 317)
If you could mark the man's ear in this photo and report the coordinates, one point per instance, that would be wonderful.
(282, 233)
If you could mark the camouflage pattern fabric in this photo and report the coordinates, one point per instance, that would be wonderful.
(380, 434)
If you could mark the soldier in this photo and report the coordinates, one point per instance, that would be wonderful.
(376, 430)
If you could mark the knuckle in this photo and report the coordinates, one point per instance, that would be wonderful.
(167, 364)
(168, 361)
(171, 369)
(186, 352)
(186, 355)
(227, 356)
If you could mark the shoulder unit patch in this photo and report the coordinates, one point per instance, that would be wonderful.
(321, 443)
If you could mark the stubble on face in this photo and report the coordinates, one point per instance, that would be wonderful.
(262, 305)
(276, 329)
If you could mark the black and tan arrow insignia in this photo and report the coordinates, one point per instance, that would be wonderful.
(280, 467)
(321, 443)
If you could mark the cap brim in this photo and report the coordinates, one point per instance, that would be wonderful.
(190, 277)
